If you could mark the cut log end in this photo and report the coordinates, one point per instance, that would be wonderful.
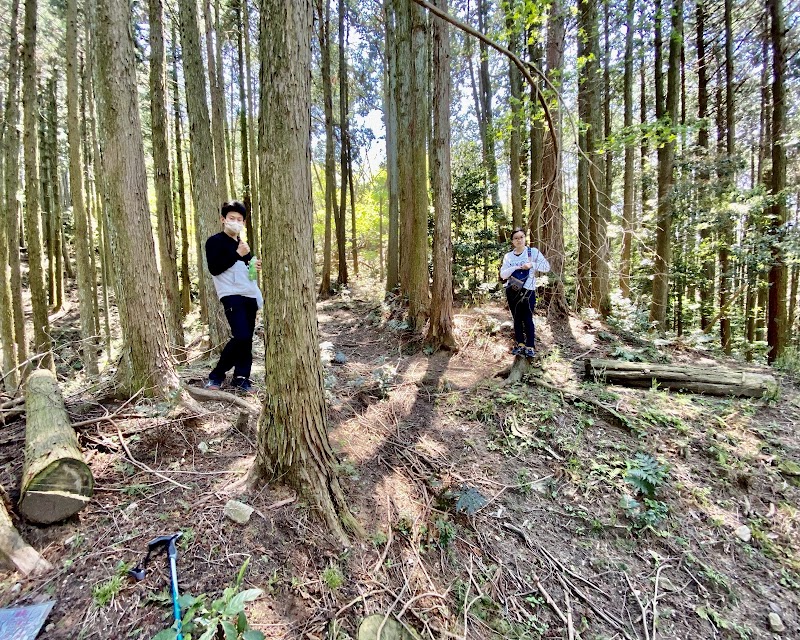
(47, 507)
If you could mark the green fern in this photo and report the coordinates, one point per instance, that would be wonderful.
(645, 474)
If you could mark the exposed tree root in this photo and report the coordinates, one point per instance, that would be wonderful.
(208, 395)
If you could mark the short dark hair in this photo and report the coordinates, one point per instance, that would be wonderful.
(518, 230)
(235, 206)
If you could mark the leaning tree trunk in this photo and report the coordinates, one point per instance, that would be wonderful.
(293, 441)
(515, 89)
(56, 482)
(15, 553)
(203, 182)
(33, 238)
(82, 263)
(168, 252)
(440, 331)
(145, 334)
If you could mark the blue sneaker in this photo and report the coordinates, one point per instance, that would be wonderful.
(530, 352)
(212, 384)
(518, 350)
(242, 384)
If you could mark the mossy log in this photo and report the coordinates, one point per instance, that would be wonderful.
(15, 553)
(716, 381)
(56, 482)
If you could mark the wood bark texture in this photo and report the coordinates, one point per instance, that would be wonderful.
(716, 381)
(56, 482)
(145, 348)
(293, 441)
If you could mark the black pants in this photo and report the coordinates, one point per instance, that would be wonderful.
(522, 303)
(238, 353)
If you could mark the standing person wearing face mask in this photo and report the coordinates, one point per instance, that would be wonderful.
(228, 257)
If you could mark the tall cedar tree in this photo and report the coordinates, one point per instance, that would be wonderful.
(146, 348)
(9, 208)
(168, 252)
(33, 236)
(205, 192)
(440, 330)
(776, 316)
(293, 440)
(83, 264)
(666, 162)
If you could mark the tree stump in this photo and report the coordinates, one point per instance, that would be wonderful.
(716, 381)
(14, 551)
(56, 482)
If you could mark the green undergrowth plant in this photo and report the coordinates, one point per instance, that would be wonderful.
(104, 593)
(223, 617)
(646, 475)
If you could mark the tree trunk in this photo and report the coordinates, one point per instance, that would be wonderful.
(205, 191)
(247, 189)
(83, 263)
(92, 150)
(351, 183)
(486, 94)
(708, 266)
(146, 345)
(218, 122)
(182, 208)
(331, 206)
(776, 315)
(293, 441)
(341, 227)
(536, 185)
(440, 331)
(33, 238)
(10, 307)
(418, 289)
(515, 87)
(168, 252)
(715, 381)
(666, 161)
(255, 212)
(628, 210)
(390, 123)
(53, 190)
(56, 482)
(727, 179)
(552, 219)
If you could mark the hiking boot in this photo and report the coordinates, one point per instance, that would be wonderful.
(530, 352)
(518, 350)
(242, 384)
(212, 384)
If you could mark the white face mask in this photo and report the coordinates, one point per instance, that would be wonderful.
(234, 227)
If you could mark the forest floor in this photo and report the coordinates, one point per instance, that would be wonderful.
(492, 510)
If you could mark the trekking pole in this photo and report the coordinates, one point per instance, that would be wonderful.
(154, 547)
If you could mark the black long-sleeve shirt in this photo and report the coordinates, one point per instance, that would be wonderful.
(221, 253)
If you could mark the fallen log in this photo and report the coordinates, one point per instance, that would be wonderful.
(56, 482)
(15, 553)
(716, 381)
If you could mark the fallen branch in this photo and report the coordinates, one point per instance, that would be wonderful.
(209, 395)
(143, 466)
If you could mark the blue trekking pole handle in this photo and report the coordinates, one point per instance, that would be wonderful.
(176, 608)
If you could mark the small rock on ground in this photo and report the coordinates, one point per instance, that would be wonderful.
(237, 511)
